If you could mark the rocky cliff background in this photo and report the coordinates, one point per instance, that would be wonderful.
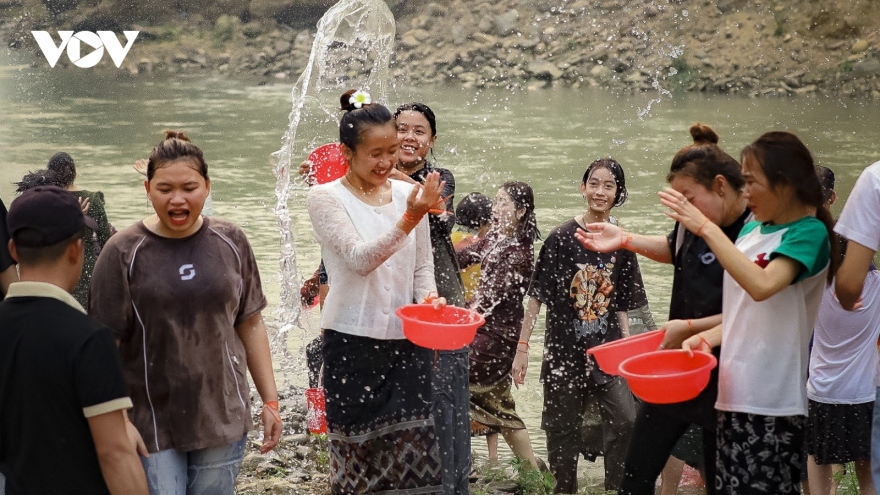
(775, 47)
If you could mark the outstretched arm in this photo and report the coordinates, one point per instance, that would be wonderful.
(606, 237)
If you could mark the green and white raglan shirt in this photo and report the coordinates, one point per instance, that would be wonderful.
(764, 356)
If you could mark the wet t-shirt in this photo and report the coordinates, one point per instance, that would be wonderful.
(583, 290)
(174, 304)
(447, 275)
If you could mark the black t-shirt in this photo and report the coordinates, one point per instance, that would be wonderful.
(583, 290)
(697, 282)
(5, 258)
(447, 275)
(54, 362)
(696, 293)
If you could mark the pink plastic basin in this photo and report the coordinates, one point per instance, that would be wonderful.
(611, 354)
(442, 329)
(664, 377)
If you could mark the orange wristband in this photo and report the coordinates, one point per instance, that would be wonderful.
(410, 218)
(523, 342)
(625, 240)
(704, 341)
(700, 230)
(272, 406)
(690, 323)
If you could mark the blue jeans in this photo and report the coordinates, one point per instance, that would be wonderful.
(197, 472)
(875, 441)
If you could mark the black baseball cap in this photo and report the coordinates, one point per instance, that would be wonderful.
(52, 213)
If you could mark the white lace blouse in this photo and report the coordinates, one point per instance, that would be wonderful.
(372, 266)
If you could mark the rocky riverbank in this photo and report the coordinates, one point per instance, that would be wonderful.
(775, 48)
(300, 463)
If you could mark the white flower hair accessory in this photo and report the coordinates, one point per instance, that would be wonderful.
(360, 98)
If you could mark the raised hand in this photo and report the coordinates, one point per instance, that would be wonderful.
(601, 237)
(426, 196)
(681, 210)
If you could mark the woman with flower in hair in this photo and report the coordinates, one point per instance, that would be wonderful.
(183, 296)
(376, 248)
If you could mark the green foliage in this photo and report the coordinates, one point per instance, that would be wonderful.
(322, 454)
(530, 480)
(778, 18)
(846, 480)
(680, 64)
(681, 73)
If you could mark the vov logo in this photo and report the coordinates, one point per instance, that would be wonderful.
(73, 42)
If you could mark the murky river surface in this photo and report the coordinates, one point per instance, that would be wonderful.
(543, 137)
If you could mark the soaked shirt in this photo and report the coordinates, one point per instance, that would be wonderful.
(583, 291)
(446, 272)
(507, 269)
(173, 304)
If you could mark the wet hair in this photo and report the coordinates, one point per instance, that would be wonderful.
(826, 178)
(704, 160)
(474, 210)
(422, 109)
(616, 170)
(60, 171)
(356, 120)
(176, 146)
(62, 168)
(41, 177)
(786, 161)
(523, 197)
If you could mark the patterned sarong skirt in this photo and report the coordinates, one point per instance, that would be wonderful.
(381, 433)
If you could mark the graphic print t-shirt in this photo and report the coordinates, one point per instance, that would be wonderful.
(583, 290)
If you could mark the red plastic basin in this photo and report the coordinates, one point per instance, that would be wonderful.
(328, 163)
(316, 416)
(611, 354)
(442, 329)
(664, 377)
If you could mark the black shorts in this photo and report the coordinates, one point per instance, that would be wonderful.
(839, 433)
(759, 454)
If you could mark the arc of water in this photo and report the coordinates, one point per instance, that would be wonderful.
(352, 48)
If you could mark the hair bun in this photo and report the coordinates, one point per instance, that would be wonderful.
(169, 134)
(703, 134)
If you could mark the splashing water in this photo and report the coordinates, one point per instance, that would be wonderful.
(352, 50)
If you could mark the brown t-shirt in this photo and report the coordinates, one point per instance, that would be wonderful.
(173, 304)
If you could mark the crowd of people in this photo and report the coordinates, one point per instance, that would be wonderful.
(149, 389)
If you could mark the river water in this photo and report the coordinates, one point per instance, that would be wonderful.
(543, 137)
